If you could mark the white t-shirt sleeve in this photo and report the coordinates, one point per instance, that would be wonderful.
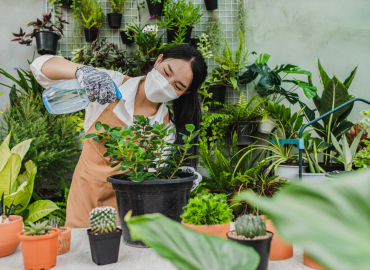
(94, 109)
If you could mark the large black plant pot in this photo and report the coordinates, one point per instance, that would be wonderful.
(211, 4)
(245, 130)
(262, 246)
(114, 20)
(65, 3)
(104, 247)
(332, 167)
(91, 34)
(219, 95)
(46, 42)
(155, 9)
(125, 39)
(172, 34)
(167, 197)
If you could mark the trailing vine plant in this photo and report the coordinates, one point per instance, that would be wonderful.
(215, 34)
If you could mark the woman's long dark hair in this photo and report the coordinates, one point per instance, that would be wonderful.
(186, 109)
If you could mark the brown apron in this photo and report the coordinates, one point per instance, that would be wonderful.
(89, 187)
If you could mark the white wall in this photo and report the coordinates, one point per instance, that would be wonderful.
(15, 14)
(300, 31)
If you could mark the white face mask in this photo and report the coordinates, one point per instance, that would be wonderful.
(157, 88)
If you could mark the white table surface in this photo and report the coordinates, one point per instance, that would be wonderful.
(79, 258)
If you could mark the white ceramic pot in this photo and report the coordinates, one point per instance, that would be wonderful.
(267, 126)
(288, 172)
(312, 177)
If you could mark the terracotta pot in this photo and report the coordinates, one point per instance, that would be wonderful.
(280, 249)
(64, 240)
(9, 239)
(39, 252)
(308, 261)
(218, 230)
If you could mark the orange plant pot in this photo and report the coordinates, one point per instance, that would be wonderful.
(9, 240)
(280, 249)
(64, 240)
(218, 230)
(308, 261)
(39, 252)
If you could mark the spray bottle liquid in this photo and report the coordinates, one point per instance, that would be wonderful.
(67, 97)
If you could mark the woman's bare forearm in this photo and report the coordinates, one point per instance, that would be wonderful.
(60, 69)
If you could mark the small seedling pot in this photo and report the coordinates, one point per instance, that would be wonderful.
(280, 249)
(171, 34)
(104, 247)
(262, 246)
(155, 9)
(166, 197)
(91, 34)
(219, 94)
(46, 42)
(64, 240)
(217, 230)
(9, 240)
(125, 39)
(211, 4)
(308, 261)
(39, 252)
(114, 20)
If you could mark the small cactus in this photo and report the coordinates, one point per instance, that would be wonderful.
(250, 226)
(38, 228)
(103, 219)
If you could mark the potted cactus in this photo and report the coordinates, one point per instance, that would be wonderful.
(208, 213)
(64, 238)
(104, 236)
(39, 245)
(251, 231)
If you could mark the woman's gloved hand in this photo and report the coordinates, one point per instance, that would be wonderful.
(97, 84)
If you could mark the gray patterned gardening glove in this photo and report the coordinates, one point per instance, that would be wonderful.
(192, 170)
(97, 84)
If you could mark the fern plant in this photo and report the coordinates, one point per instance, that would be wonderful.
(250, 111)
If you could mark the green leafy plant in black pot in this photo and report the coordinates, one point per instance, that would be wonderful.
(251, 231)
(151, 166)
(88, 13)
(179, 19)
(208, 213)
(115, 18)
(104, 236)
(225, 75)
(46, 33)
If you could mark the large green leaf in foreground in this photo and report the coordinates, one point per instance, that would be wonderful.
(331, 220)
(190, 250)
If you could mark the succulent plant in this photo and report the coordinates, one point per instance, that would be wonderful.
(207, 209)
(54, 222)
(250, 226)
(103, 219)
(38, 228)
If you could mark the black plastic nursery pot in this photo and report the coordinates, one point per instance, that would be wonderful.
(171, 34)
(211, 4)
(194, 43)
(155, 9)
(114, 20)
(125, 39)
(167, 197)
(104, 247)
(219, 95)
(46, 42)
(245, 130)
(91, 34)
(262, 246)
(65, 3)
(332, 167)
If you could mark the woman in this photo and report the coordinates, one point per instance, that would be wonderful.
(177, 75)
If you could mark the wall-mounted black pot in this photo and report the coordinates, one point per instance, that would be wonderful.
(125, 39)
(114, 20)
(91, 34)
(245, 130)
(211, 4)
(155, 9)
(219, 95)
(171, 34)
(46, 42)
